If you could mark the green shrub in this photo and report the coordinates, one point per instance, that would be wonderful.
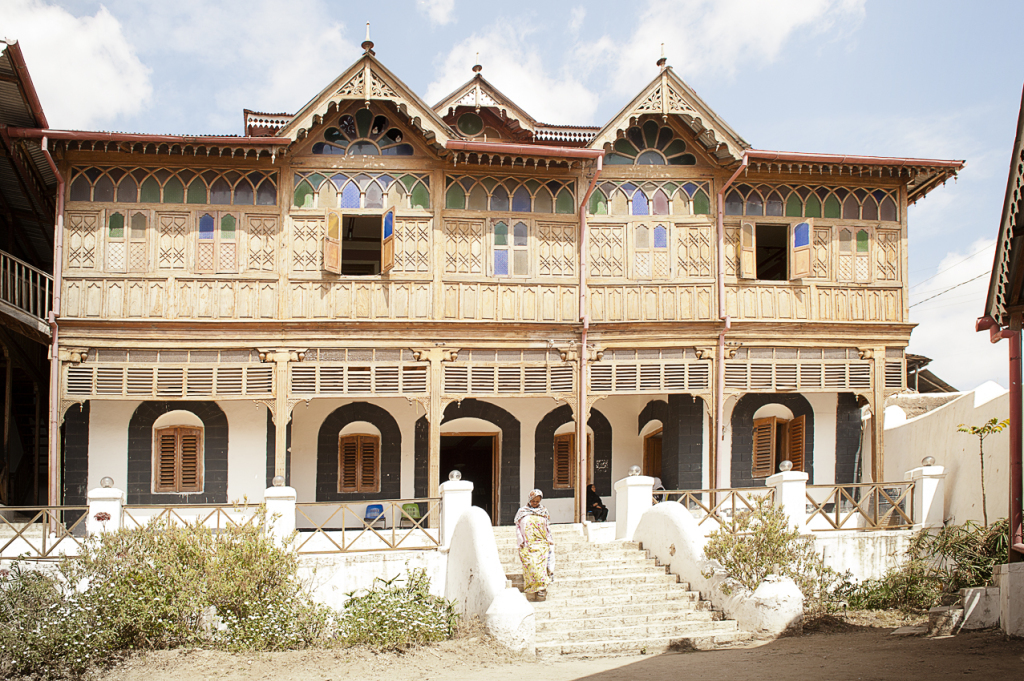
(394, 616)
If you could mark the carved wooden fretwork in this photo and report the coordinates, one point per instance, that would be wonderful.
(652, 104)
(695, 255)
(262, 232)
(887, 255)
(82, 233)
(556, 250)
(675, 102)
(172, 229)
(307, 237)
(464, 242)
(378, 88)
(354, 87)
(732, 255)
(607, 250)
(412, 245)
(664, 99)
(67, 404)
(821, 254)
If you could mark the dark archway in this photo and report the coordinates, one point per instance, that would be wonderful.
(742, 424)
(544, 451)
(682, 449)
(215, 454)
(74, 443)
(327, 452)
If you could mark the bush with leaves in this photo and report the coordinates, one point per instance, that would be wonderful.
(763, 543)
(393, 615)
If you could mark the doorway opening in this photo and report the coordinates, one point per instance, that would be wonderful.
(652, 454)
(360, 245)
(475, 456)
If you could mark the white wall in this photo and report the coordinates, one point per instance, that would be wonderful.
(108, 441)
(934, 433)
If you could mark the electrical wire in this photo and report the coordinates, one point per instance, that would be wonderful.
(959, 262)
(951, 288)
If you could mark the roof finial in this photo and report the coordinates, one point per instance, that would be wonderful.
(368, 44)
(477, 68)
(662, 62)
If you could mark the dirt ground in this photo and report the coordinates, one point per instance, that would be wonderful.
(858, 647)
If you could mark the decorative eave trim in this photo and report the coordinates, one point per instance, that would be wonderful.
(478, 92)
(135, 143)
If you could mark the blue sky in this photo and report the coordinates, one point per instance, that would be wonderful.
(927, 78)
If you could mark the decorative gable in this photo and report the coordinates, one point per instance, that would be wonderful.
(478, 98)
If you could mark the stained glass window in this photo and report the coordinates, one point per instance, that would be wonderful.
(651, 145)
(116, 226)
(206, 226)
(363, 135)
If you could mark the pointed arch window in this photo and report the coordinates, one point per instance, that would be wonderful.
(363, 134)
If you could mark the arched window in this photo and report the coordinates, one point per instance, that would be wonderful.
(359, 463)
(178, 453)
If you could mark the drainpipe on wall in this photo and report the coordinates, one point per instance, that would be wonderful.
(720, 355)
(53, 463)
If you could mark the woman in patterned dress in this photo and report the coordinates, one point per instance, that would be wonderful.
(533, 536)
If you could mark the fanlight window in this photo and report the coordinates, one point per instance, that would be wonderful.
(361, 190)
(160, 185)
(812, 202)
(650, 198)
(502, 195)
(363, 135)
(650, 145)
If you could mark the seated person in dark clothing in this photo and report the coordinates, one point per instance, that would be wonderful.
(595, 506)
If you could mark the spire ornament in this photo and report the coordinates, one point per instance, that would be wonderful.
(368, 44)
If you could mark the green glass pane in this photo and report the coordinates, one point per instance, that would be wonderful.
(813, 207)
(197, 191)
(624, 147)
(677, 147)
(794, 209)
(684, 160)
(533, 186)
(410, 180)
(501, 234)
(670, 188)
(304, 195)
(564, 202)
(490, 183)
(315, 180)
(701, 203)
(832, 208)
(227, 227)
(116, 226)
(363, 121)
(470, 124)
(420, 197)
(651, 134)
(598, 203)
(174, 192)
(150, 191)
(862, 241)
(455, 197)
(618, 160)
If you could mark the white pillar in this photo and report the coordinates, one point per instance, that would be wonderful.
(280, 503)
(456, 499)
(105, 504)
(633, 496)
(791, 496)
(1010, 580)
(929, 495)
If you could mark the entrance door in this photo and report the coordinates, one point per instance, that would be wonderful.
(474, 455)
(652, 455)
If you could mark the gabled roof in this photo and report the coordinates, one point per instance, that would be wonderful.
(368, 80)
(668, 95)
(1006, 287)
(478, 93)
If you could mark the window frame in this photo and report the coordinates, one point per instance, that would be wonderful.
(218, 245)
(559, 481)
(651, 250)
(333, 255)
(856, 257)
(510, 247)
(360, 486)
(765, 457)
(181, 484)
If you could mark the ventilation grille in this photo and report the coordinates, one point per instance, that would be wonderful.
(894, 374)
(482, 379)
(98, 381)
(379, 379)
(763, 376)
(658, 377)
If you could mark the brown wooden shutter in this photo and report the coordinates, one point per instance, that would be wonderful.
(387, 243)
(190, 447)
(764, 447)
(348, 464)
(652, 456)
(369, 450)
(797, 442)
(166, 459)
(562, 477)
(748, 251)
(800, 249)
(332, 243)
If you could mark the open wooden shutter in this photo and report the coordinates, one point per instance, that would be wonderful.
(800, 254)
(332, 243)
(748, 251)
(387, 243)
(764, 447)
(652, 456)
(190, 446)
(369, 450)
(563, 457)
(348, 464)
(797, 442)
(165, 478)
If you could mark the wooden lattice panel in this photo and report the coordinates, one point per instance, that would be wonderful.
(307, 238)
(262, 236)
(412, 245)
(171, 240)
(82, 232)
(607, 250)
(556, 250)
(821, 254)
(463, 247)
(887, 255)
(695, 251)
(732, 251)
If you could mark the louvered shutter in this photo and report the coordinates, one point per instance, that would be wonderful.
(748, 251)
(562, 477)
(369, 449)
(797, 442)
(190, 447)
(332, 243)
(166, 460)
(387, 243)
(800, 253)
(348, 464)
(764, 447)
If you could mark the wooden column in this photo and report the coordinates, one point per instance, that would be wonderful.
(877, 355)
(35, 446)
(435, 357)
(282, 405)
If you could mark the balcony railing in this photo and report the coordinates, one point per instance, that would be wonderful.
(25, 287)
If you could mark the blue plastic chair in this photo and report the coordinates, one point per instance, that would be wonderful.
(374, 515)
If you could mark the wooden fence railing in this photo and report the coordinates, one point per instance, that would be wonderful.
(721, 507)
(864, 506)
(41, 532)
(398, 524)
(25, 287)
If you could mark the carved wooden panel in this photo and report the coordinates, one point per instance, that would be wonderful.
(696, 257)
(510, 302)
(607, 250)
(412, 245)
(190, 298)
(556, 250)
(821, 254)
(172, 229)
(661, 302)
(262, 237)
(463, 246)
(82, 235)
(306, 243)
(887, 255)
(732, 251)
(767, 302)
(860, 304)
(359, 300)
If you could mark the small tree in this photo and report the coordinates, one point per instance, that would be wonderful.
(990, 427)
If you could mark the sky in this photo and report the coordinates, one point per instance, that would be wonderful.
(918, 78)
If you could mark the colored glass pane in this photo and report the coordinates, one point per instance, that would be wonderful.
(521, 262)
(364, 180)
(801, 235)
(374, 196)
(879, 194)
(812, 208)
(115, 226)
(733, 203)
(701, 203)
(851, 208)
(117, 173)
(532, 185)
(243, 193)
(684, 160)
(501, 262)
(220, 192)
(519, 234)
(478, 198)
(862, 241)
(754, 204)
(348, 126)
(350, 196)
(470, 124)
(650, 158)
(832, 209)
(640, 206)
(93, 173)
(363, 120)
(128, 190)
(635, 136)
(564, 203)
(389, 224)
(618, 160)
(689, 188)
(803, 192)
(489, 182)
(598, 203)
(162, 174)
(773, 206)
(664, 137)
(650, 134)
(150, 192)
(363, 149)
(103, 190)
(455, 197)
(660, 236)
(467, 183)
(333, 226)
(624, 147)
(677, 147)
(420, 197)
(643, 236)
(174, 192)
(887, 211)
(410, 180)
(206, 226)
(660, 203)
(380, 124)
(822, 192)
(266, 193)
(303, 195)
(500, 234)
(841, 193)
(521, 200)
(196, 191)
(334, 135)
(794, 207)
(328, 195)
(542, 202)
(328, 149)
(845, 241)
(227, 227)
(400, 150)
(869, 209)
(499, 198)
(138, 226)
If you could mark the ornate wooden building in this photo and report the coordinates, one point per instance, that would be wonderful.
(372, 292)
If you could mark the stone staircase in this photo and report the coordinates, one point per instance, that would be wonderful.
(611, 599)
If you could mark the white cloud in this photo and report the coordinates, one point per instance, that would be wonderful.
(438, 11)
(515, 68)
(576, 17)
(84, 68)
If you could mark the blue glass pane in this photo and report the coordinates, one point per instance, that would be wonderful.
(501, 262)
(628, 188)
(878, 194)
(363, 149)
(660, 237)
(640, 206)
(499, 198)
(385, 180)
(521, 200)
(801, 235)
(689, 187)
(206, 226)
(350, 196)
(554, 186)
(339, 180)
(650, 158)
(389, 224)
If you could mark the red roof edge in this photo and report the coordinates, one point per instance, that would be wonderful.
(28, 89)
